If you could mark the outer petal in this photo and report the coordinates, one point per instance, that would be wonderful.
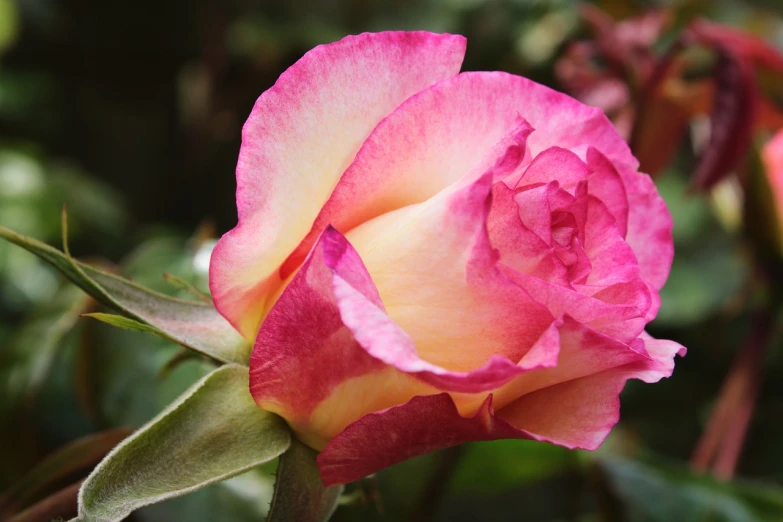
(300, 137)
(576, 413)
(424, 424)
(649, 230)
(579, 413)
(303, 336)
(583, 352)
(435, 137)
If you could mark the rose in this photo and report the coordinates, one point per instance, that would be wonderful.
(426, 258)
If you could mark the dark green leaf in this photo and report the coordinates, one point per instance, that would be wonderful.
(506, 464)
(300, 495)
(213, 432)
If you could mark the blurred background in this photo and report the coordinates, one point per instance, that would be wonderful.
(130, 113)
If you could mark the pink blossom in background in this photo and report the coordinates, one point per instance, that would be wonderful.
(426, 258)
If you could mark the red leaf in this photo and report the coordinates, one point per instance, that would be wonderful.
(745, 46)
(731, 120)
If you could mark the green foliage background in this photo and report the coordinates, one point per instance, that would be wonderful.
(130, 113)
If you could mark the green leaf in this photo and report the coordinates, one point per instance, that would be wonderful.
(300, 495)
(193, 324)
(663, 493)
(212, 432)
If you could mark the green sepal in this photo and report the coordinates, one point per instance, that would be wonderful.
(300, 494)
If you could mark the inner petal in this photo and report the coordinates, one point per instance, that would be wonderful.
(435, 271)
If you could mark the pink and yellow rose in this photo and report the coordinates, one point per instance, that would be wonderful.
(426, 258)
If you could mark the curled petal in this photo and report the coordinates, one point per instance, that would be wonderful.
(580, 413)
(312, 332)
(520, 248)
(303, 336)
(555, 164)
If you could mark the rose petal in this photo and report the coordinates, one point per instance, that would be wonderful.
(576, 413)
(437, 136)
(622, 320)
(303, 336)
(583, 352)
(519, 247)
(450, 310)
(612, 259)
(649, 230)
(300, 137)
(555, 164)
(422, 425)
(607, 185)
(435, 270)
(580, 413)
